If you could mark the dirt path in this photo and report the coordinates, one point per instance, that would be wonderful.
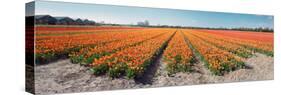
(63, 76)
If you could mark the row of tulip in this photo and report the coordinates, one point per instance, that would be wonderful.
(48, 47)
(131, 61)
(223, 44)
(254, 45)
(217, 60)
(178, 55)
(88, 54)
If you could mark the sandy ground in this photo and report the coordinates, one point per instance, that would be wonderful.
(64, 77)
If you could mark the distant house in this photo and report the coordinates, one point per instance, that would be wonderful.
(45, 19)
(145, 23)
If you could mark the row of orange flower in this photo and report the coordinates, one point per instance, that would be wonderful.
(255, 45)
(216, 59)
(178, 54)
(55, 44)
(131, 61)
(231, 47)
(91, 53)
(264, 37)
(71, 32)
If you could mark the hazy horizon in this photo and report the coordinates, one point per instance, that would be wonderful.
(155, 16)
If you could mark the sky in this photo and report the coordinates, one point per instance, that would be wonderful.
(155, 16)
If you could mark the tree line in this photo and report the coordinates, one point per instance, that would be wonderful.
(50, 20)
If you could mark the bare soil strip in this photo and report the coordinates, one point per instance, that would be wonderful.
(148, 75)
(63, 76)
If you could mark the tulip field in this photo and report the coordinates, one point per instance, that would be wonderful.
(130, 51)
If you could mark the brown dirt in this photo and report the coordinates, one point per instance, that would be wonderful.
(64, 77)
